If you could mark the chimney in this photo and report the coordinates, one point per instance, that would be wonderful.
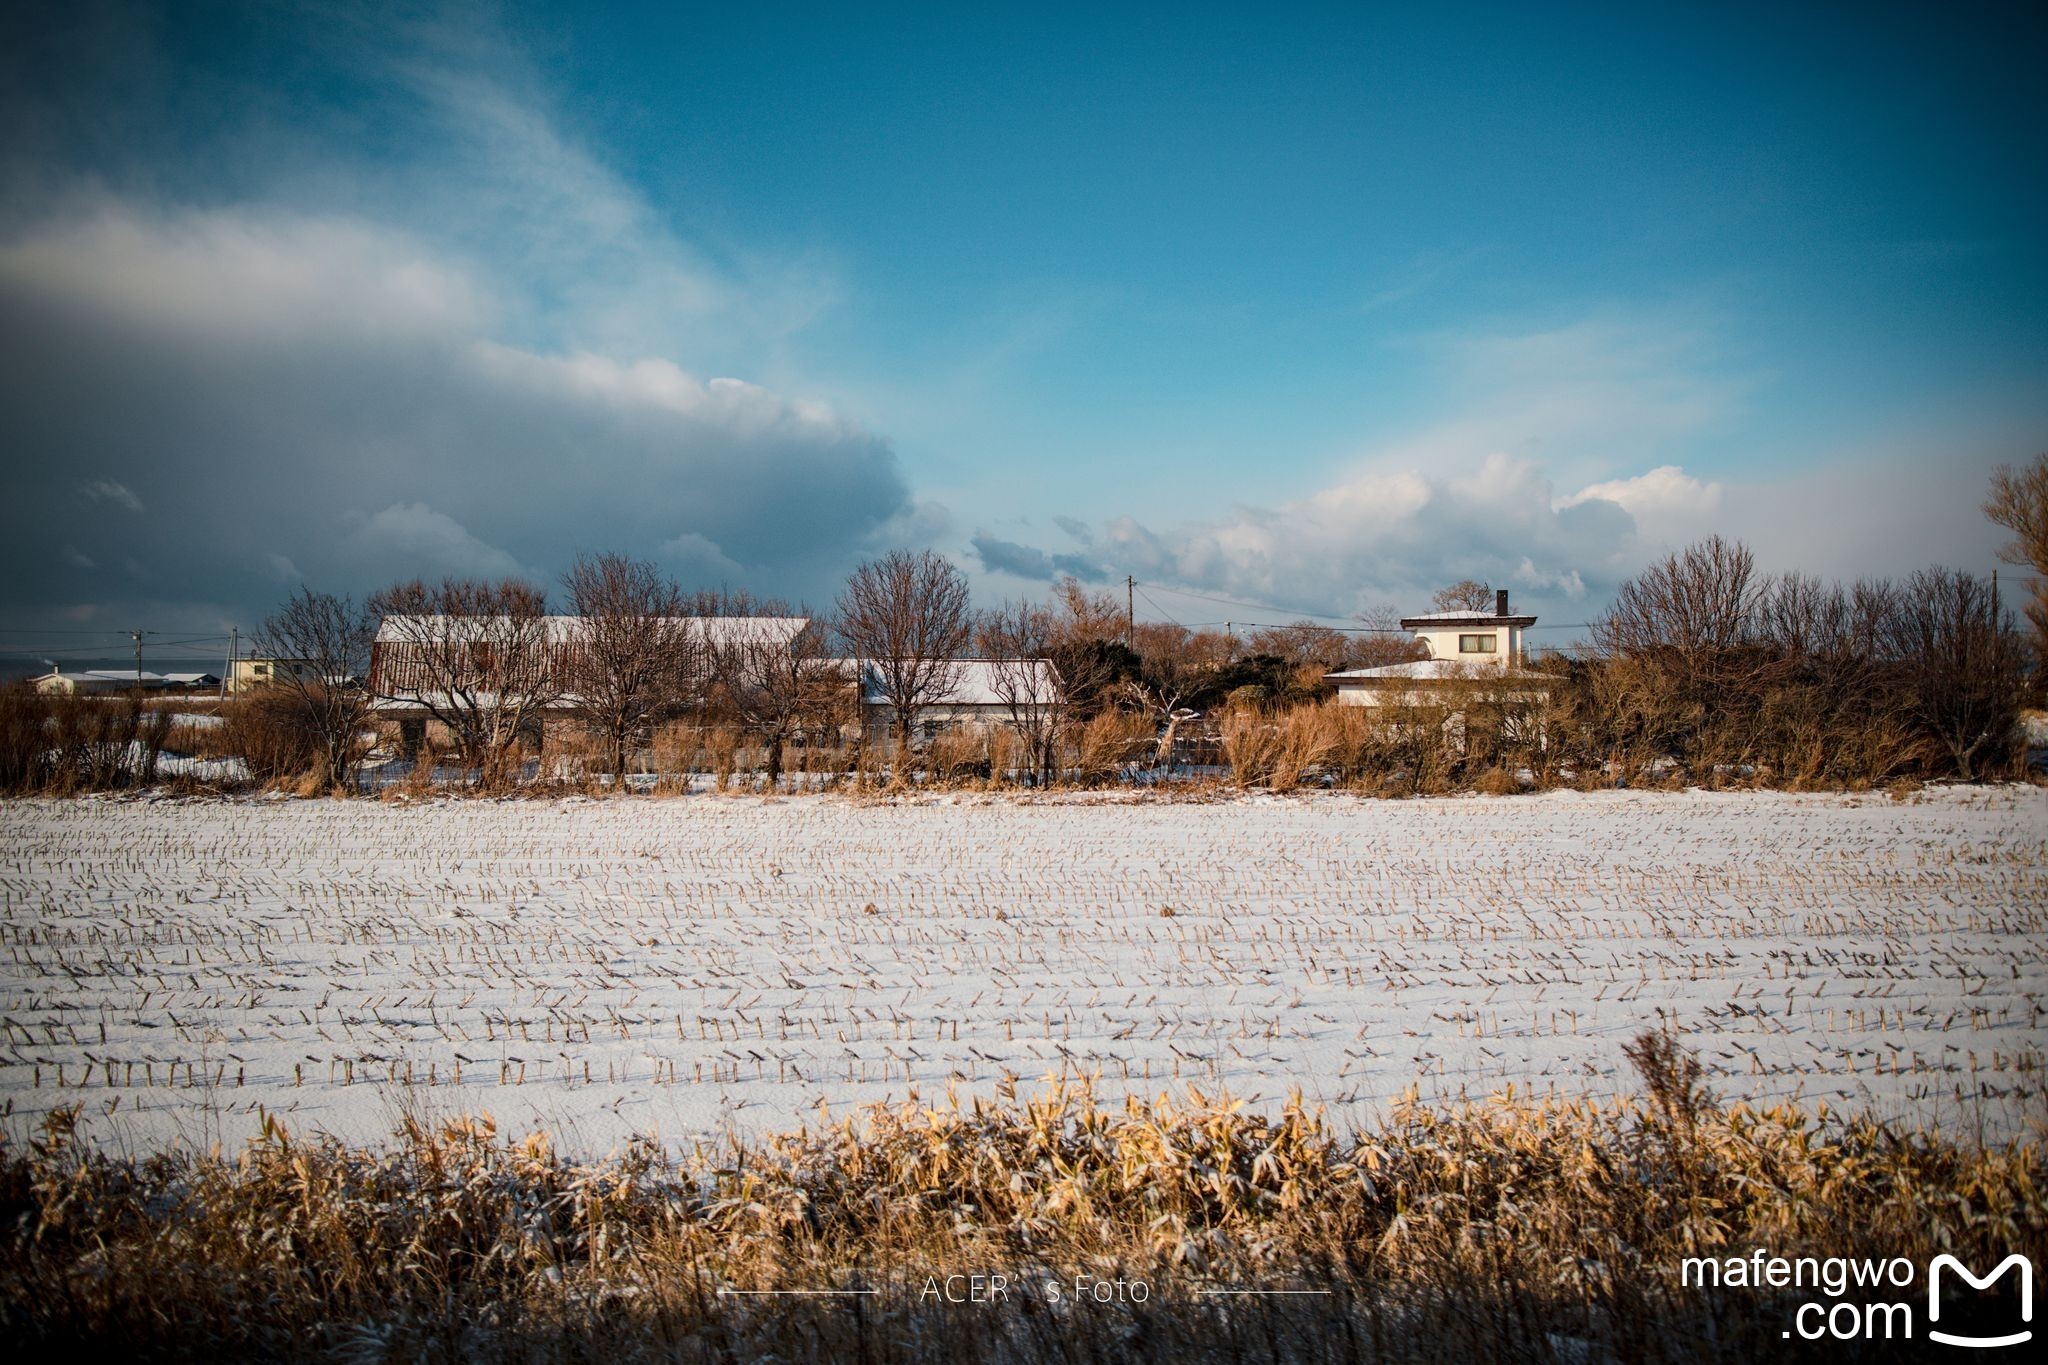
(1500, 602)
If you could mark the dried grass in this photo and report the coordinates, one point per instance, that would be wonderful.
(1495, 1230)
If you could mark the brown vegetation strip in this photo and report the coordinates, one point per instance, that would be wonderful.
(1498, 1230)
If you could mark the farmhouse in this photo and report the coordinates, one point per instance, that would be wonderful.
(1470, 653)
(975, 692)
(427, 667)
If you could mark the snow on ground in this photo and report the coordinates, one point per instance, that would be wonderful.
(693, 966)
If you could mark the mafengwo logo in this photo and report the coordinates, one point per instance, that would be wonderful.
(2015, 1262)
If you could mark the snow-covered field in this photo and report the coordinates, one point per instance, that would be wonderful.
(684, 967)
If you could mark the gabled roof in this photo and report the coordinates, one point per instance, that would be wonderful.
(562, 630)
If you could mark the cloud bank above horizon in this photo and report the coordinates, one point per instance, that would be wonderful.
(338, 298)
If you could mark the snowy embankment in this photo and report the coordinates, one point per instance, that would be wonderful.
(686, 967)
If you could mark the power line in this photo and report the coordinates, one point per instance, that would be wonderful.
(1225, 601)
(1161, 610)
(56, 630)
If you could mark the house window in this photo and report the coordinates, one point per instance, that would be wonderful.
(1476, 644)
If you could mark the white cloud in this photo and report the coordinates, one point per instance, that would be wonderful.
(1382, 535)
(1667, 503)
(107, 490)
(701, 558)
(413, 538)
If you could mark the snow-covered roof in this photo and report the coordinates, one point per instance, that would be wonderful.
(191, 679)
(1474, 618)
(119, 675)
(1430, 670)
(562, 630)
(411, 703)
(984, 682)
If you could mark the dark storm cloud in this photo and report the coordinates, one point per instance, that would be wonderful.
(1026, 561)
(213, 402)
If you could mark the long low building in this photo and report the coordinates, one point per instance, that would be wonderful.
(413, 657)
(974, 692)
(97, 682)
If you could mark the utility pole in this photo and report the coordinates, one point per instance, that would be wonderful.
(234, 652)
(1997, 638)
(136, 636)
(1130, 612)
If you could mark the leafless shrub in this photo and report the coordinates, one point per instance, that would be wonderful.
(959, 754)
(1105, 746)
(2018, 501)
(266, 728)
(25, 764)
(331, 638)
(1960, 666)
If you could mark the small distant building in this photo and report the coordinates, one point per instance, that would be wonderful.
(1468, 651)
(244, 674)
(98, 682)
(193, 682)
(91, 683)
(981, 692)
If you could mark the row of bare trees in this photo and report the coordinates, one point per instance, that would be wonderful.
(1701, 661)
(1705, 660)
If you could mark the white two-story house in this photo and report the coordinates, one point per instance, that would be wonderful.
(1467, 650)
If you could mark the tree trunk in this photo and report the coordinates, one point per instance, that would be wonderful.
(1163, 757)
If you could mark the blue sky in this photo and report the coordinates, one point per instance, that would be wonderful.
(1312, 308)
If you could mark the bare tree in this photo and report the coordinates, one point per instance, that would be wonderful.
(904, 618)
(477, 657)
(1017, 640)
(329, 639)
(1467, 594)
(1302, 643)
(1086, 615)
(2019, 503)
(1087, 647)
(1383, 642)
(1961, 666)
(778, 682)
(625, 664)
(1690, 605)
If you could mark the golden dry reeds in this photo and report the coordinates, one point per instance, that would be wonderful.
(1497, 1229)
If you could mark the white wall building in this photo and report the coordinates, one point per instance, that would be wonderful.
(1467, 650)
